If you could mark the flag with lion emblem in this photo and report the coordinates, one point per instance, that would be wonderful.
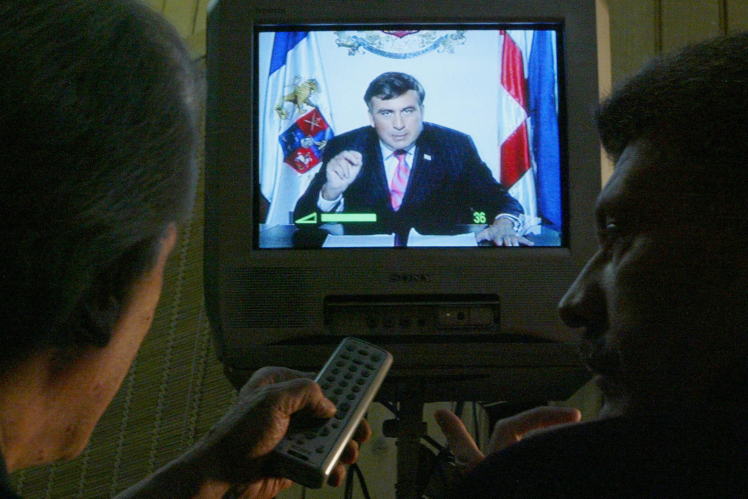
(296, 123)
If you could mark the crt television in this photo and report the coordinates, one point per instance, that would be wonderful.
(286, 79)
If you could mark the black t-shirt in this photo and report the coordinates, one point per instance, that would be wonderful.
(657, 457)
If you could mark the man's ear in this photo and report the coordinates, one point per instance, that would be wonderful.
(104, 303)
(371, 119)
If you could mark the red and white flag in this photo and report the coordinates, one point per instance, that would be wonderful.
(516, 165)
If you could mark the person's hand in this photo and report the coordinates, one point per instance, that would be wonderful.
(507, 431)
(341, 171)
(239, 444)
(501, 233)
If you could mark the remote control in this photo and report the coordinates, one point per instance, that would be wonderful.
(350, 379)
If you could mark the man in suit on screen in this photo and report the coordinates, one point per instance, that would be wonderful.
(409, 173)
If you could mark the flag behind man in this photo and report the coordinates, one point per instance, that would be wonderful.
(528, 123)
(295, 124)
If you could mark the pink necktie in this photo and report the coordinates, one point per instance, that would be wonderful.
(399, 181)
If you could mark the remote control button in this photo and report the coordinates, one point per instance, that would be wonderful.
(320, 449)
(353, 369)
(334, 399)
(324, 432)
(369, 366)
(365, 374)
(375, 357)
(300, 441)
(348, 375)
(363, 352)
(335, 425)
(343, 383)
(351, 348)
(325, 386)
(360, 381)
(310, 435)
(358, 361)
(340, 415)
(340, 363)
(338, 391)
(345, 406)
(351, 396)
(345, 355)
(335, 370)
(355, 388)
(330, 378)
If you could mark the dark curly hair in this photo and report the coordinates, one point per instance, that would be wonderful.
(695, 100)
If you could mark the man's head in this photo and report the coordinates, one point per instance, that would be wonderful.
(98, 137)
(395, 102)
(664, 302)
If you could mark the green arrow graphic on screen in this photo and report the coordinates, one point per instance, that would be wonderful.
(348, 217)
(338, 218)
(309, 219)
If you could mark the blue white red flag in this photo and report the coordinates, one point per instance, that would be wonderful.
(295, 125)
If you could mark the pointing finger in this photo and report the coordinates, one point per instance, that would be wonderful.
(461, 443)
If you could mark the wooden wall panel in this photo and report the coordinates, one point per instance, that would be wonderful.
(634, 35)
(188, 17)
(736, 14)
(182, 14)
(197, 39)
(685, 21)
(157, 5)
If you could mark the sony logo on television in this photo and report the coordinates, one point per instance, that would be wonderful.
(408, 278)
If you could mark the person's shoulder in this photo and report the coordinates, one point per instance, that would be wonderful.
(441, 137)
(631, 455)
(550, 464)
(353, 135)
(358, 139)
(441, 132)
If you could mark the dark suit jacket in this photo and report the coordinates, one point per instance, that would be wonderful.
(448, 183)
(664, 456)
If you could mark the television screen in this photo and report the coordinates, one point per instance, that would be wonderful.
(336, 130)
(409, 136)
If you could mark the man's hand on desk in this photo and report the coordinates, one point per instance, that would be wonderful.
(507, 431)
(501, 233)
(341, 171)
